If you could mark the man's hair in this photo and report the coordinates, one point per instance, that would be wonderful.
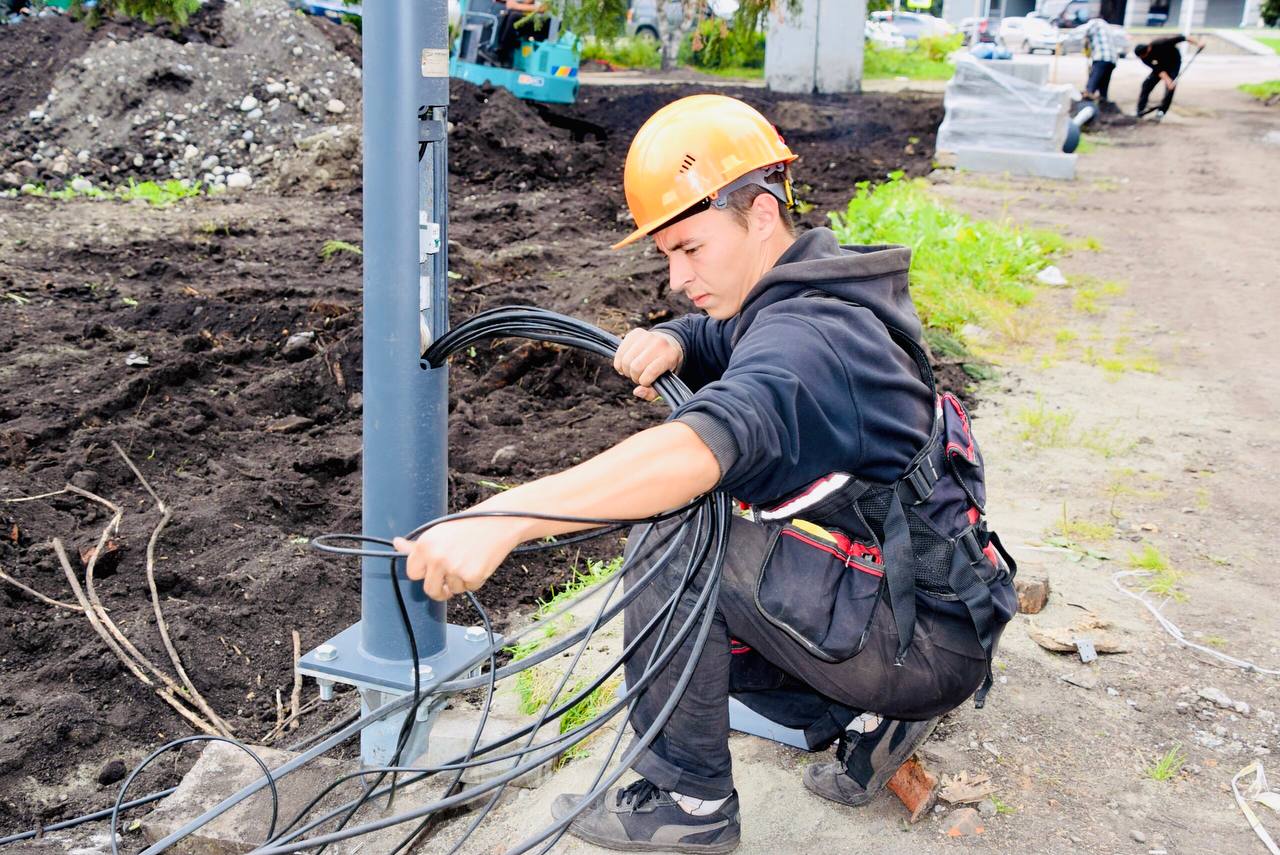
(1142, 48)
(740, 201)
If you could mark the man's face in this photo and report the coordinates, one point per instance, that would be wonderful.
(713, 260)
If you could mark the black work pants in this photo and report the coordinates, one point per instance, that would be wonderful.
(1100, 78)
(1148, 86)
(944, 665)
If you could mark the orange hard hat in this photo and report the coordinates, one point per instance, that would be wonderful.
(695, 151)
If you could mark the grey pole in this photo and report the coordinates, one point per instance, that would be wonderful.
(406, 404)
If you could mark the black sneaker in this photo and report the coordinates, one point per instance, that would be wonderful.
(643, 818)
(866, 761)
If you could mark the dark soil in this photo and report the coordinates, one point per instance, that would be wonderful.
(209, 292)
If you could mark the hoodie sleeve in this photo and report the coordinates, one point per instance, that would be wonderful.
(783, 379)
(706, 346)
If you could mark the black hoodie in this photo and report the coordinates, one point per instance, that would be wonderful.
(794, 387)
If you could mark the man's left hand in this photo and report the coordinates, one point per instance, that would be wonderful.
(458, 556)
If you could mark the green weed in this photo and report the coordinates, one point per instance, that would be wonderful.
(1077, 529)
(926, 59)
(333, 247)
(1042, 427)
(1163, 578)
(963, 271)
(1215, 641)
(156, 194)
(1002, 807)
(1106, 443)
(1262, 91)
(1167, 766)
(623, 52)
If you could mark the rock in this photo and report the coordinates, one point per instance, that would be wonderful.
(299, 345)
(505, 456)
(334, 105)
(247, 136)
(112, 773)
(25, 168)
(1051, 275)
(209, 162)
(11, 179)
(254, 115)
(965, 822)
(1138, 836)
(85, 479)
(297, 50)
(290, 424)
(239, 181)
(248, 104)
(60, 166)
(986, 807)
(36, 115)
(275, 88)
(81, 185)
(1217, 697)
(82, 156)
(356, 402)
(136, 360)
(139, 160)
(1033, 594)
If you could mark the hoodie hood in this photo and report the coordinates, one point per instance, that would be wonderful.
(871, 276)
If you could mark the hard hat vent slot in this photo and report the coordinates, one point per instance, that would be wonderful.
(687, 163)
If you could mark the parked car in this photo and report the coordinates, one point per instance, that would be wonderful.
(1031, 34)
(883, 35)
(977, 31)
(914, 25)
(642, 19)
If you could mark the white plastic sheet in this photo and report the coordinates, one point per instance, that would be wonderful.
(990, 110)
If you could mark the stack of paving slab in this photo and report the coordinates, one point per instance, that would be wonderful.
(1003, 116)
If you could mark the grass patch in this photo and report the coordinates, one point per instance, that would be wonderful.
(1043, 427)
(1272, 42)
(158, 194)
(963, 271)
(1082, 530)
(1164, 578)
(535, 686)
(623, 52)
(1262, 91)
(1091, 299)
(925, 59)
(333, 247)
(1167, 766)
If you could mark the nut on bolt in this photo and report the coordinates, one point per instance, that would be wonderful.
(326, 653)
(476, 634)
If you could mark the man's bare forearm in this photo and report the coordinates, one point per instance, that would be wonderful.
(656, 470)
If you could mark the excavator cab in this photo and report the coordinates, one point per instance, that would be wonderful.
(526, 52)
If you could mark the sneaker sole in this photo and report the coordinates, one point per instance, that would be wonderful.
(646, 846)
(878, 780)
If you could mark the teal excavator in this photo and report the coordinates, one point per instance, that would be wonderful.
(519, 46)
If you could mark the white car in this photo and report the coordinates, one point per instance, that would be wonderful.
(1032, 33)
(913, 25)
(883, 35)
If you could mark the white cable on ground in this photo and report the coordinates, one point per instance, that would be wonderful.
(1259, 782)
(1173, 630)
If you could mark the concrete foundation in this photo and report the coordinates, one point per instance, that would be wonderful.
(817, 49)
(1037, 164)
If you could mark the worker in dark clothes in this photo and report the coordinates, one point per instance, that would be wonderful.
(865, 572)
(1165, 60)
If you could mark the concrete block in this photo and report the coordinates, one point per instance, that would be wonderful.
(223, 770)
(1038, 164)
(454, 728)
(816, 48)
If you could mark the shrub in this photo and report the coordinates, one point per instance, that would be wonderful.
(714, 44)
(175, 11)
(627, 52)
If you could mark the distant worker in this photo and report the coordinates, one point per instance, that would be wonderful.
(1165, 60)
(1097, 42)
(865, 577)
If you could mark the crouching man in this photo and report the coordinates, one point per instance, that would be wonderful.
(865, 575)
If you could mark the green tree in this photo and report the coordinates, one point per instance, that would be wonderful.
(1271, 12)
(175, 12)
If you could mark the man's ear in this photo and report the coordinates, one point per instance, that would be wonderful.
(765, 214)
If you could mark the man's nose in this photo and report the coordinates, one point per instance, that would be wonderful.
(681, 272)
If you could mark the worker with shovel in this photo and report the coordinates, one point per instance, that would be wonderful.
(1164, 59)
(865, 574)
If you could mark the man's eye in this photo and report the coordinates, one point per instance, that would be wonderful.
(691, 250)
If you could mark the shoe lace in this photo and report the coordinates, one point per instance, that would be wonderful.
(637, 794)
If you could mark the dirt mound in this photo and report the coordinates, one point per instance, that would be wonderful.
(134, 104)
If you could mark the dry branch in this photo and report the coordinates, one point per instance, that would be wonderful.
(39, 596)
(295, 698)
(166, 515)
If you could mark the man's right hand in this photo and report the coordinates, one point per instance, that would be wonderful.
(644, 356)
